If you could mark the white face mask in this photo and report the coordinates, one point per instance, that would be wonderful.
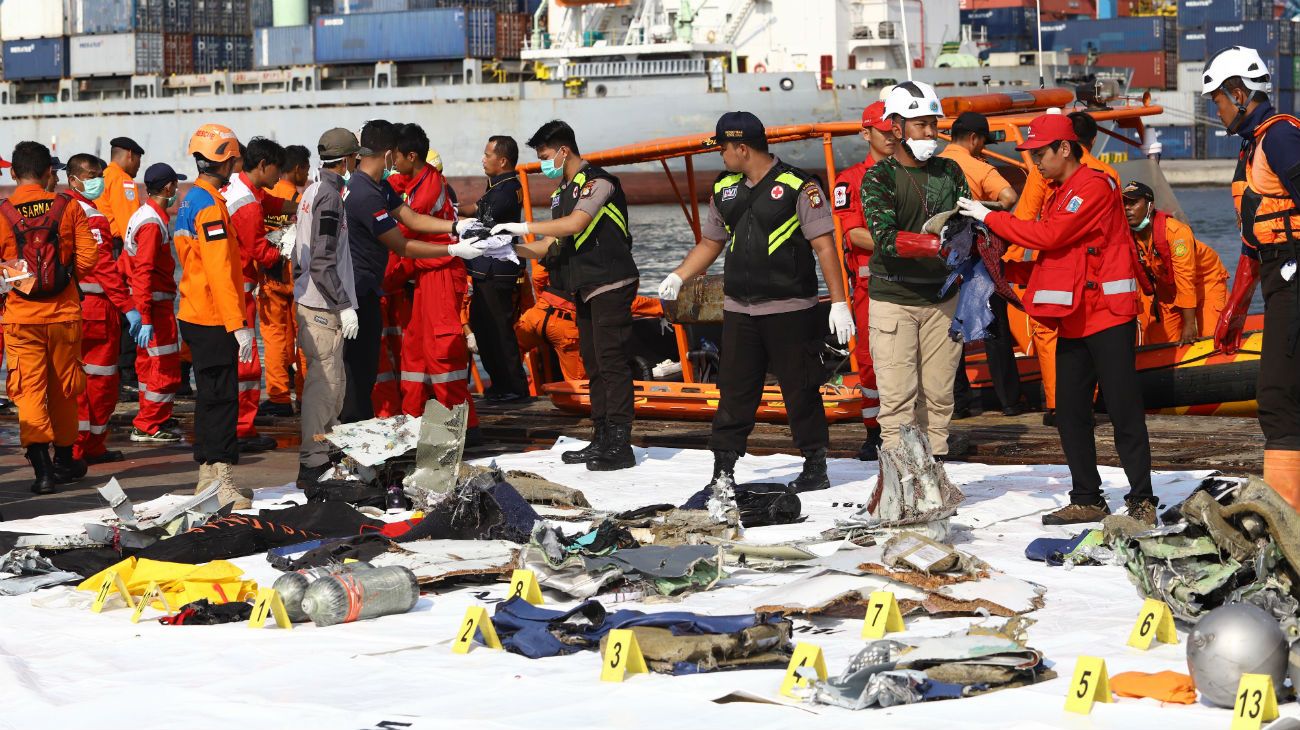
(922, 149)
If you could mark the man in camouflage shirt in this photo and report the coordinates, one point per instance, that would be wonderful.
(915, 358)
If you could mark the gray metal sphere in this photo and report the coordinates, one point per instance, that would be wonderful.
(1230, 641)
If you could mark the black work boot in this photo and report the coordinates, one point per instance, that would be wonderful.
(724, 464)
(870, 449)
(616, 450)
(586, 453)
(813, 477)
(66, 469)
(39, 456)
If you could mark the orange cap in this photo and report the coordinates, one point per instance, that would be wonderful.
(214, 142)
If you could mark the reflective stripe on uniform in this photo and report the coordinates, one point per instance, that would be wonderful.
(391, 331)
(869, 393)
(99, 369)
(727, 182)
(614, 215)
(88, 287)
(385, 377)
(432, 378)
(782, 234)
(870, 412)
(162, 296)
(163, 349)
(1048, 296)
(249, 385)
(1119, 286)
(790, 179)
(864, 272)
(95, 429)
(153, 397)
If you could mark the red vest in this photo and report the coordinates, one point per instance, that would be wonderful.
(1099, 270)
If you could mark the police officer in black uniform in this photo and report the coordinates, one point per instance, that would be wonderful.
(496, 282)
(778, 229)
(587, 248)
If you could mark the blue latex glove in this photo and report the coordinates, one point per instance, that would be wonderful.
(144, 335)
(133, 323)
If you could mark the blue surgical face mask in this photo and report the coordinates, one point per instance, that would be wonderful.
(1145, 222)
(93, 188)
(171, 201)
(551, 170)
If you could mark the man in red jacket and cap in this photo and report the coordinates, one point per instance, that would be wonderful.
(1085, 284)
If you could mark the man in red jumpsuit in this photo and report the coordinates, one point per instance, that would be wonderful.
(104, 299)
(151, 271)
(878, 132)
(248, 203)
(434, 355)
(1084, 284)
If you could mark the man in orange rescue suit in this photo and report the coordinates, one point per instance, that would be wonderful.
(1029, 208)
(1083, 283)
(275, 312)
(42, 317)
(105, 299)
(152, 273)
(879, 135)
(213, 318)
(1166, 251)
(1267, 192)
(248, 203)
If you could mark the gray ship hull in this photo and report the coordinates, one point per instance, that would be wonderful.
(459, 117)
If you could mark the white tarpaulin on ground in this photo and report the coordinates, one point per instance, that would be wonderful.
(63, 666)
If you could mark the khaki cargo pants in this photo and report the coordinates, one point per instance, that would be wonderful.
(916, 362)
(320, 335)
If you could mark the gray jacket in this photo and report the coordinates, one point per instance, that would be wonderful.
(323, 277)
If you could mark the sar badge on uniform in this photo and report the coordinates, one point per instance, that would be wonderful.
(1074, 204)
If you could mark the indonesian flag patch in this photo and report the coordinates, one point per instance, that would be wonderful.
(214, 231)
(381, 216)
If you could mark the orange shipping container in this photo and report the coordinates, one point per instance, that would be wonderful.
(1151, 70)
(512, 30)
(1052, 9)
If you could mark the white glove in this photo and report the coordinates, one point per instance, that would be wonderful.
(670, 288)
(464, 224)
(972, 209)
(513, 229)
(841, 321)
(245, 339)
(466, 250)
(349, 323)
(472, 341)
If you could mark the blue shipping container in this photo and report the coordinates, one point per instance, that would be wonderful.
(1197, 13)
(1191, 44)
(279, 47)
(41, 58)
(95, 17)
(1269, 37)
(1000, 23)
(481, 32)
(1118, 35)
(150, 15)
(419, 35)
(1177, 142)
(1219, 144)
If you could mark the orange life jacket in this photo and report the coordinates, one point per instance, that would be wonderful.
(1265, 210)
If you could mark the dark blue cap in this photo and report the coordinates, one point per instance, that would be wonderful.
(739, 127)
(159, 174)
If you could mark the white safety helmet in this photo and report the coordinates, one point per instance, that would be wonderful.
(1236, 61)
(912, 99)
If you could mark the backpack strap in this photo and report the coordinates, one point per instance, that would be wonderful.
(10, 213)
(58, 207)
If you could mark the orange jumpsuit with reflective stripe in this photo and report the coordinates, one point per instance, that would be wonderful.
(43, 337)
(152, 273)
(1161, 318)
(1211, 287)
(122, 197)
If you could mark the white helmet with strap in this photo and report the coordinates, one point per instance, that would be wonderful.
(1239, 62)
(913, 99)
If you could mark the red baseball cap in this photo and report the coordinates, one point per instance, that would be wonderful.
(874, 116)
(1047, 129)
